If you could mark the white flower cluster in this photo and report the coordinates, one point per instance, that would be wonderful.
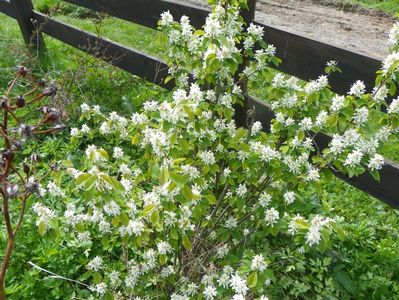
(394, 35)
(45, 215)
(317, 224)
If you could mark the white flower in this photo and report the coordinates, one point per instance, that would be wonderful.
(394, 35)
(258, 263)
(394, 106)
(313, 236)
(95, 264)
(361, 115)
(222, 251)
(313, 174)
(238, 284)
(166, 19)
(380, 93)
(391, 59)
(118, 152)
(85, 129)
(212, 27)
(101, 288)
(238, 297)
(115, 278)
(150, 106)
(337, 144)
(210, 292)
(241, 190)
(226, 172)
(84, 107)
(264, 199)
(271, 216)
(104, 128)
(191, 171)
(321, 118)
(127, 185)
(231, 223)
(357, 89)
(337, 103)
(112, 208)
(55, 190)
(104, 226)
(376, 162)
(289, 197)
(256, 127)
(354, 158)
(306, 124)
(256, 31)
(293, 226)
(84, 237)
(167, 271)
(74, 132)
(124, 169)
(270, 50)
(332, 63)
(44, 213)
(164, 248)
(207, 157)
(135, 227)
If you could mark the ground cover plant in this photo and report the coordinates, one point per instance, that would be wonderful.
(59, 249)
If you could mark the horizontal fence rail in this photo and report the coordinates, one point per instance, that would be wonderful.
(154, 70)
(302, 57)
(5, 8)
(133, 61)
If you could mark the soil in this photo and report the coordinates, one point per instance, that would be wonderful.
(352, 28)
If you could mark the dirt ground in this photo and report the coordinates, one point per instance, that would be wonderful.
(357, 30)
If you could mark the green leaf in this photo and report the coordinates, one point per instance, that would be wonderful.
(180, 180)
(178, 161)
(211, 198)
(269, 274)
(42, 228)
(164, 176)
(147, 210)
(344, 279)
(376, 175)
(155, 217)
(240, 133)
(252, 279)
(162, 259)
(186, 242)
(82, 178)
(187, 193)
(154, 170)
(103, 153)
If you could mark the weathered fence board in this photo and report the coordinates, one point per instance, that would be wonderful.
(133, 61)
(302, 57)
(5, 8)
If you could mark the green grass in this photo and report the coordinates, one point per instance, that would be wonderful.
(84, 78)
(388, 6)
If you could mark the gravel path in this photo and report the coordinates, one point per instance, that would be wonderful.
(364, 33)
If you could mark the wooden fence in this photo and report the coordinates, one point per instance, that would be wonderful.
(302, 57)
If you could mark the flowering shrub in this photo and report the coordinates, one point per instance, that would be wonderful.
(166, 202)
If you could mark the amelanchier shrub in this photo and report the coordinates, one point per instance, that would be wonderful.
(22, 121)
(164, 204)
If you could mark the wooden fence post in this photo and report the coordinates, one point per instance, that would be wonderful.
(24, 15)
(240, 114)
